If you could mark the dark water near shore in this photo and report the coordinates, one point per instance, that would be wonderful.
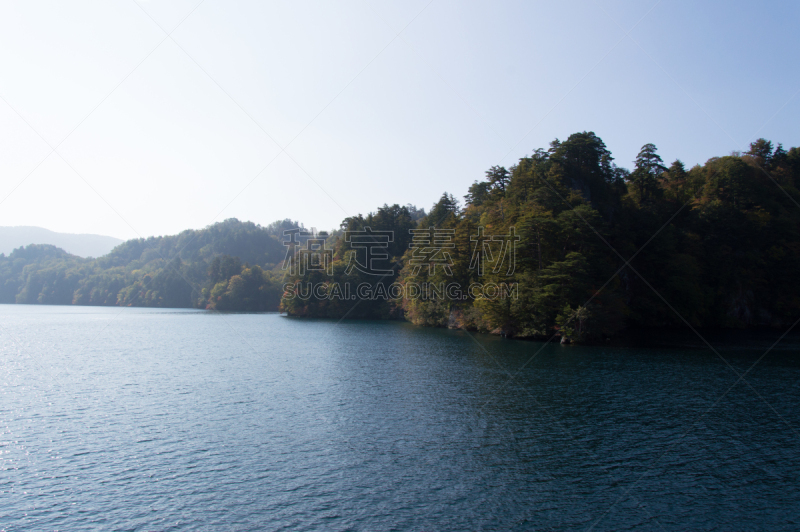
(137, 419)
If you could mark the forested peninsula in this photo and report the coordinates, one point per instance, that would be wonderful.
(596, 249)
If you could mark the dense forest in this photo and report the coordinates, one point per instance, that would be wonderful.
(587, 248)
(600, 248)
(168, 271)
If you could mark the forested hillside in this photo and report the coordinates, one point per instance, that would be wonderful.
(167, 271)
(588, 248)
(601, 248)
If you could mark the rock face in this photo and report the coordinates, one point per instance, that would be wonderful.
(465, 318)
(743, 310)
(456, 319)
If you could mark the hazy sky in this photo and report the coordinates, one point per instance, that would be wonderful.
(319, 110)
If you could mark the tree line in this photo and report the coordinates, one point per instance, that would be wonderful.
(596, 248)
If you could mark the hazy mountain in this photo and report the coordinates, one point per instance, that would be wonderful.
(165, 271)
(80, 245)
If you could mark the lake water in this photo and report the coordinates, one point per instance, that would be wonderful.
(141, 419)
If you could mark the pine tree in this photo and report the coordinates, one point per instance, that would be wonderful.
(649, 167)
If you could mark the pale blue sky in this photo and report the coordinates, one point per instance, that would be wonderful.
(319, 110)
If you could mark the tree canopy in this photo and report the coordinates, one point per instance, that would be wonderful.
(592, 248)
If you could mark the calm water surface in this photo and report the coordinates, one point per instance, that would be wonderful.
(139, 419)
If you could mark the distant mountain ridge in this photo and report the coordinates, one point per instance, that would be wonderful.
(82, 245)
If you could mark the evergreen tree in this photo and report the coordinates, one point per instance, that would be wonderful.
(648, 168)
